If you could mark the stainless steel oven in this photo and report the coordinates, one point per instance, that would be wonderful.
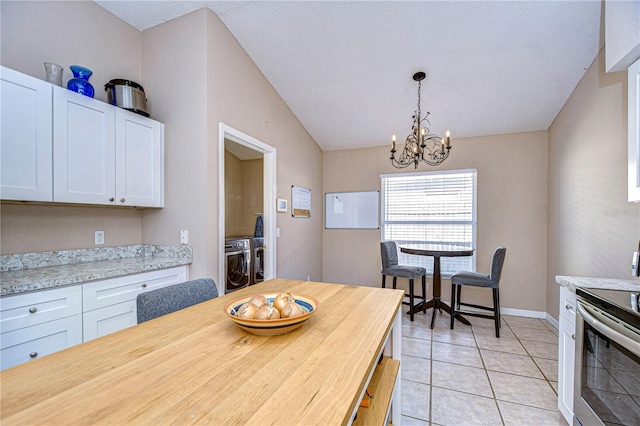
(607, 369)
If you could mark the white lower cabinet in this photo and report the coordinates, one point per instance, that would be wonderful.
(103, 321)
(566, 353)
(110, 305)
(29, 343)
(39, 323)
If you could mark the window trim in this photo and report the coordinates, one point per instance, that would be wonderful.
(474, 220)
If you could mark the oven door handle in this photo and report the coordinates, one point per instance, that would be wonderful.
(608, 328)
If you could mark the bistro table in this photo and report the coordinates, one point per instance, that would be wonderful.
(437, 251)
(196, 366)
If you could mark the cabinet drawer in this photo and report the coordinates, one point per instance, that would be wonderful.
(29, 343)
(568, 305)
(25, 310)
(103, 321)
(109, 292)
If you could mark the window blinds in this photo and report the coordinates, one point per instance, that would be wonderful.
(431, 208)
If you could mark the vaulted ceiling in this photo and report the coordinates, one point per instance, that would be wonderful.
(345, 67)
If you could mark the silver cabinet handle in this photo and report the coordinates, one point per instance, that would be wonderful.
(568, 307)
(122, 200)
(144, 285)
(112, 199)
(33, 354)
(573, 336)
(33, 309)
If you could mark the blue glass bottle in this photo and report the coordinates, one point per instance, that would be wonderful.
(80, 82)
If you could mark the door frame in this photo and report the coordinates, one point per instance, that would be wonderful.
(269, 198)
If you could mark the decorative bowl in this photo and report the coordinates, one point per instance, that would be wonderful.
(274, 326)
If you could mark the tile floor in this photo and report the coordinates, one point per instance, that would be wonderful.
(467, 377)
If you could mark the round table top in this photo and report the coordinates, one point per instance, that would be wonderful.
(439, 251)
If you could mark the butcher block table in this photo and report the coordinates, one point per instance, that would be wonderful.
(197, 366)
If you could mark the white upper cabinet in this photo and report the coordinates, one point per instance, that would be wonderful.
(139, 160)
(62, 147)
(104, 154)
(634, 131)
(25, 138)
(84, 149)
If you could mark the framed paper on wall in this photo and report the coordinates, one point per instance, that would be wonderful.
(300, 202)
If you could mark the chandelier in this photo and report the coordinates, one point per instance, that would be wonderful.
(421, 145)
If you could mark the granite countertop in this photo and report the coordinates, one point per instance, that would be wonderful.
(606, 283)
(22, 273)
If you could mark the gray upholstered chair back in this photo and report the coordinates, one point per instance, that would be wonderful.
(496, 264)
(389, 253)
(155, 303)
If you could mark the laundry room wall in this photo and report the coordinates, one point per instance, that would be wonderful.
(244, 194)
(232, 195)
(252, 193)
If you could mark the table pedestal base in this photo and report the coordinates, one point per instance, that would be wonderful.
(437, 305)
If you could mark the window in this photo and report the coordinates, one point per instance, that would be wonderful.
(431, 208)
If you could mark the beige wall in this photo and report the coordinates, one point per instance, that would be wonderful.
(593, 230)
(195, 75)
(27, 229)
(241, 97)
(232, 194)
(512, 209)
(252, 194)
(175, 67)
(224, 86)
(67, 33)
(243, 194)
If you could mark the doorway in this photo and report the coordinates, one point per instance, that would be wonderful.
(243, 146)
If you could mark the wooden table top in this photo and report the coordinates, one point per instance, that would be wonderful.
(438, 251)
(197, 366)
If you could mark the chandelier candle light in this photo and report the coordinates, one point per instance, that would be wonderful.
(420, 144)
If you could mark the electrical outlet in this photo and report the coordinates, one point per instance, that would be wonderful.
(99, 237)
(635, 270)
(277, 232)
(184, 237)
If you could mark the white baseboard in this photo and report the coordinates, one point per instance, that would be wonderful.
(523, 313)
(552, 321)
(530, 314)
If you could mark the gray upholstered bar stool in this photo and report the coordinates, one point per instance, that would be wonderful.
(389, 252)
(479, 280)
(156, 303)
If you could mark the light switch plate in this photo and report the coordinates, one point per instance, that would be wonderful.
(184, 237)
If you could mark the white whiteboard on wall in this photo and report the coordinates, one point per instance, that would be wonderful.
(352, 210)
